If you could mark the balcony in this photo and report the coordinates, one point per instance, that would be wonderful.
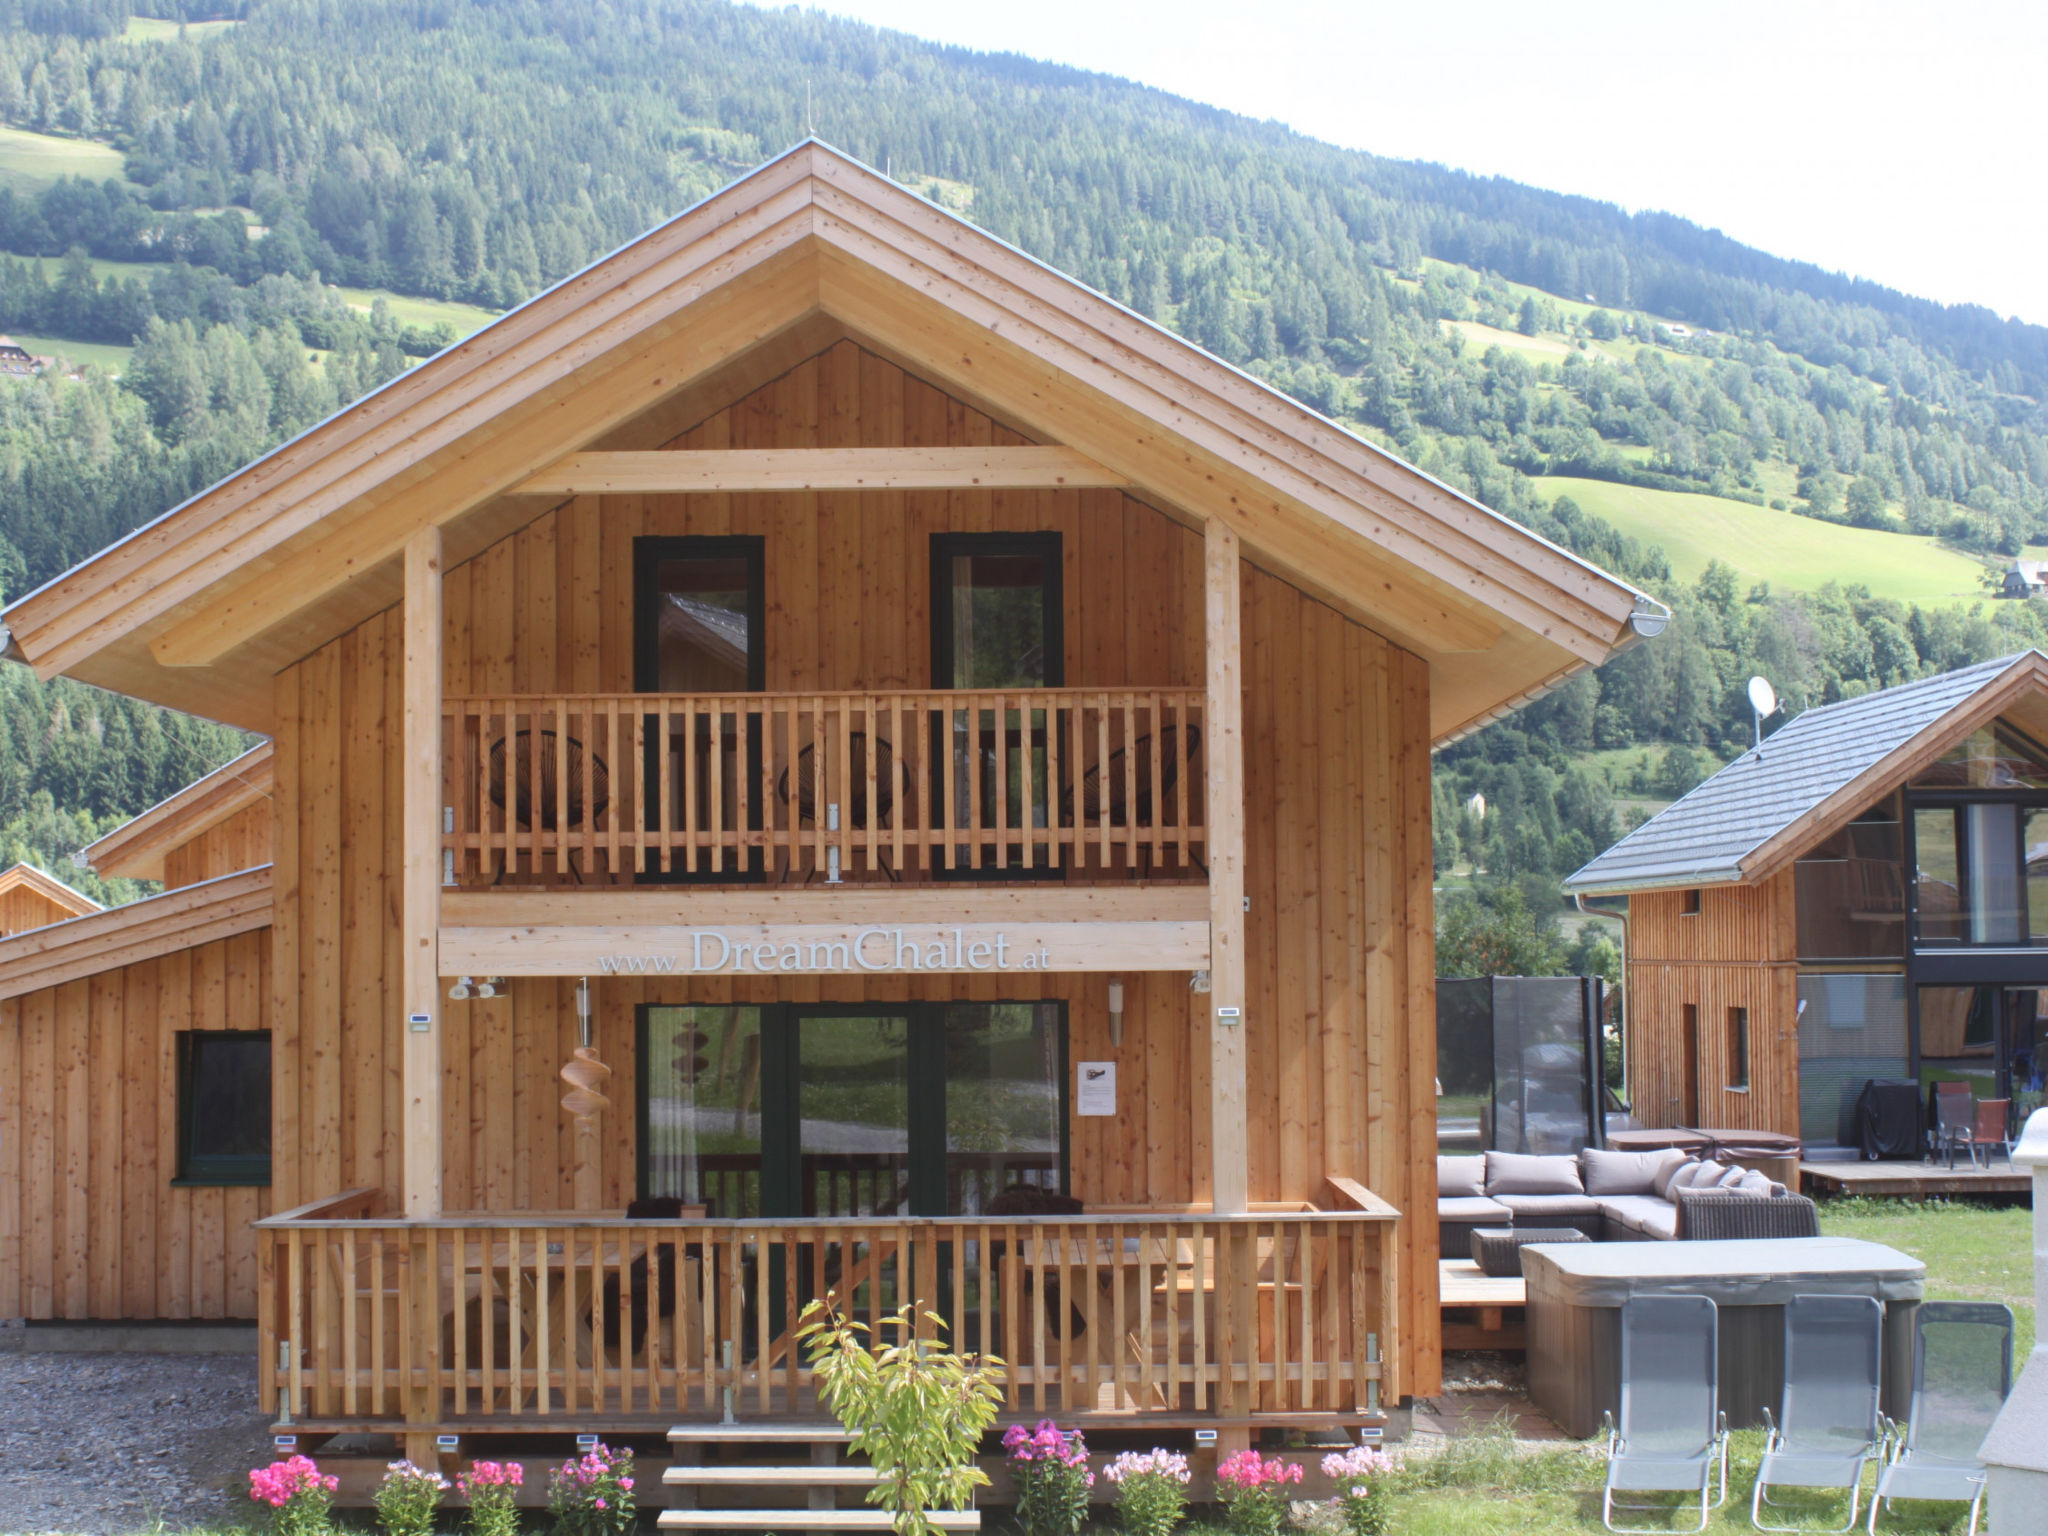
(1074, 785)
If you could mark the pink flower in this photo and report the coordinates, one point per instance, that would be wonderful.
(282, 1481)
(1248, 1472)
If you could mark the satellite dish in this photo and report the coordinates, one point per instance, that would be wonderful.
(1763, 698)
(1477, 806)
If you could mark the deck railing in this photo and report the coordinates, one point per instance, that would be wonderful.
(385, 1323)
(618, 787)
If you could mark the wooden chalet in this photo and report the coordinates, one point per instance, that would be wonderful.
(1864, 896)
(31, 899)
(821, 754)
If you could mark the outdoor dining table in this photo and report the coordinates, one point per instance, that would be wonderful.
(1575, 1294)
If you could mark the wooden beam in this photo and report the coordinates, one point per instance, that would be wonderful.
(708, 471)
(420, 881)
(1229, 1146)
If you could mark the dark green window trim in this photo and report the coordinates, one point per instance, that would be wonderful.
(215, 1170)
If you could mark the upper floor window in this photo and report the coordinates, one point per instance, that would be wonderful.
(1980, 873)
(1997, 757)
(996, 611)
(224, 1106)
(697, 615)
(1850, 892)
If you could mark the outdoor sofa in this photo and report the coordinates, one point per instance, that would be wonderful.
(1626, 1197)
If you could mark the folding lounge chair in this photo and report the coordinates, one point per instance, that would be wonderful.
(1962, 1371)
(1672, 1430)
(1829, 1424)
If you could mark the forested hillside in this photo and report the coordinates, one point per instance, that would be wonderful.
(1496, 335)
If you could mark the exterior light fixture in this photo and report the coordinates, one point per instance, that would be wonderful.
(460, 992)
(1116, 1011)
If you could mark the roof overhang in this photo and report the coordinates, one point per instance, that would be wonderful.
(26, 877)
(2020, 693)
(142, 930)
(200, 609)
(135, 850)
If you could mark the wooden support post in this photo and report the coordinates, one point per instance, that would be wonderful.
(420, 889)
(1230, 1186)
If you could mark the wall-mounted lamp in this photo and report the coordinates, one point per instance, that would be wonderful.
(460, 991)
(1116, 1011)
(1199, 982)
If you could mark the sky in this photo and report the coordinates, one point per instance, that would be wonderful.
(1906, 143)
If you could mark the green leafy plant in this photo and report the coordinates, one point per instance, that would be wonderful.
(914, 1407)
(408, 1498)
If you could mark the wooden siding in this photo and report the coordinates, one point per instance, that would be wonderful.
(1340, 1027)
(243, 841)
(1737, 951)
(90, 1225)
(23, 907)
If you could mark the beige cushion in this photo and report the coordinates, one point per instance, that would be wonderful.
(1666, 1176)
(1624, 1173)
(1693, 1175)
(1460, 1178)
(1516, 1173)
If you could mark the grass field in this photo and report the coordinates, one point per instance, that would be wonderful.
(99, 354)
(464, 318)
(1782, 548)
(153, 29)
(1537, 349)
(29, 161)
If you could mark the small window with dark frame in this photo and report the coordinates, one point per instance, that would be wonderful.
(1691, 906)
(1738, 1049)
(224, 1106)
(996, 611)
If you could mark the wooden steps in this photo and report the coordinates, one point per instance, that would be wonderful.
(755, 1466)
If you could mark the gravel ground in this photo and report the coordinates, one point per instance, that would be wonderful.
(111, 1445)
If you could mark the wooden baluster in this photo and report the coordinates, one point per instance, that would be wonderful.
(615, 784)
(561, 784)
(899, 786)
(1102, 774)
(1027, 801)
(761, 713)
(763, 1377)
(1201, 1299)
(1055, 786)
(351, 1324)
(690, 825)
(638, 768)
(1185, 766)
(840, 782)
(543, 1306)
(872, 816)
(821, 749)
(1157, 727)
(1130, 782)
(950, 745)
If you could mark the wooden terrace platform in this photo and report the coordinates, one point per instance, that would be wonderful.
(1910, 1180)
(1480, 1311)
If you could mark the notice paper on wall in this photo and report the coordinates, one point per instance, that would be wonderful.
(1095, 1088)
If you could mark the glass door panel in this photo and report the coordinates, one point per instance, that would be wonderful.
(701, 1121)
(853, 1112)
(1937, 876)
(1994, 900)
(1004, 1070)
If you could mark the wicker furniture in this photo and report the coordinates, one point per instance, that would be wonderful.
(1723, 1215)
(1498, 1250)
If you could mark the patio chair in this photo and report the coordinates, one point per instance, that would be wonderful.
(1987, 1132)
(1950, 1114)
(1828, 1424)
(1962, 1371)
(1672, 1430)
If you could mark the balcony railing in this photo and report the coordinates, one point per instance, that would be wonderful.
(374, 1322)
(1081, 783)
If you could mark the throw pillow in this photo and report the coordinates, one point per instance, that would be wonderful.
(1516, 1173)
(1668, 1174)
(1460, 1178)
(1695, 1175)
(1624, 1173)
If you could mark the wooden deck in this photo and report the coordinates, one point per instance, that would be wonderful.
(1479, 1311)
(1910, 1180)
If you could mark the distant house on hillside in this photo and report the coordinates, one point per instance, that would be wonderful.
(31, 899)
(16, 361)
(2024, 578)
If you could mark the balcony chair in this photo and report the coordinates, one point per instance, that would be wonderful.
(1125, 801)
(854, 811)
(1949, 1112)
(1962, 1371)
(1828, 1424)
(1988, 1130)
(1026, 1200)
(1672, 1430)
(513, 790)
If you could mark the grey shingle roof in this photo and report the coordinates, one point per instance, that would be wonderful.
(1703, 838)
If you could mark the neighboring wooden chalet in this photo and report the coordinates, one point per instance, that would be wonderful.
(130, 1040)
(823, 722)
(1864, 896)
(31, 899)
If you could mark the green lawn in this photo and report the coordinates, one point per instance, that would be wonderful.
(1782, 548)
(1972, 1253)
(29, 162)
(1536, 349)
(463, 318)
(101, 354)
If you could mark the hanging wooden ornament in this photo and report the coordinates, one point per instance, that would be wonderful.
(585, 1075)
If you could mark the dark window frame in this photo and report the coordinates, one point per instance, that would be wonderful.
(1738, 1050)
(1048, 546)
(1690, 904)
(215, 1170)
(1956, 802)
(926, 1050)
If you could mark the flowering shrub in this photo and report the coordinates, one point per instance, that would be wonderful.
(1254, 1491)
(1363, 1497)
(492, 1490)
(1151, 1490)
(299, 1495)
(407, 1498)
(1050, 1469)
(593, 1495)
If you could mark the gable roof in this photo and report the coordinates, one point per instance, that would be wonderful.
(201, 608)
(135, 850)
(1819, 771)
(67, 902)
(102, 941)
